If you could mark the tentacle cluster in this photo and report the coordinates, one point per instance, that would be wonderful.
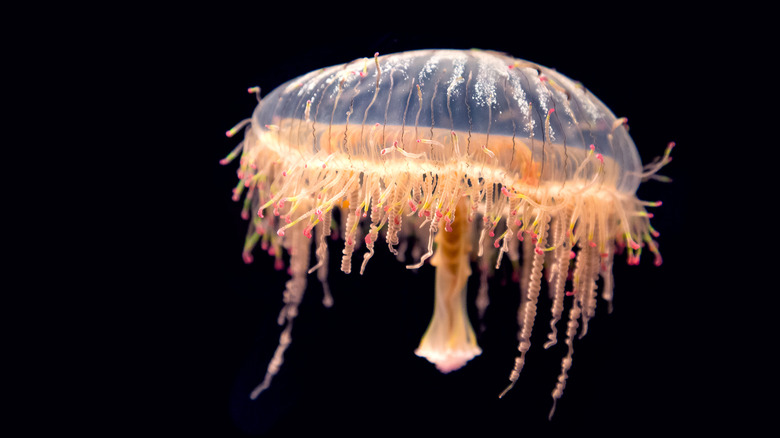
(287, 198)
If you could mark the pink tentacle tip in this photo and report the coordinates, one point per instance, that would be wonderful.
(572, 254)
(658, 260)
(245, 215)
(278, 264)
(260, 213)
(505, 191)
(224, 161)
(368, 239)
(600, 158)
(592, 244)
(280, 232)
(307, 232)
(569, 293)
(496, 243)
(539, 250)
(247, 257)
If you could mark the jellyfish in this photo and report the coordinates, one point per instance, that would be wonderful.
(452, 156)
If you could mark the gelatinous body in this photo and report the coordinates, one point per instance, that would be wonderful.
(473, 151)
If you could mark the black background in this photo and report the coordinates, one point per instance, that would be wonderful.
(351, 369)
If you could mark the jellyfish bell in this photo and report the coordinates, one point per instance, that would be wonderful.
(460, 154)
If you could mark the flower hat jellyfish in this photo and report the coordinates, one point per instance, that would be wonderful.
(468, 153)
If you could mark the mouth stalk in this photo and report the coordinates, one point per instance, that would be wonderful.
(449, 342)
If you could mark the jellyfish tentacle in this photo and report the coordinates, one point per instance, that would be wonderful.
(529, 308)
